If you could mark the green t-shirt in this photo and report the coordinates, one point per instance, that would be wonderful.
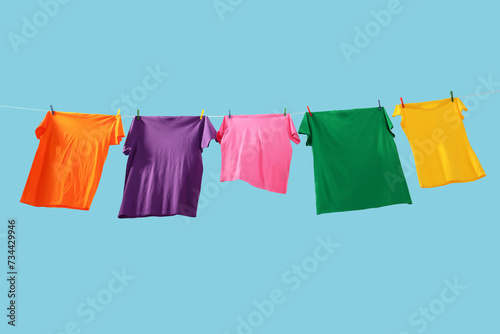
(356, 162)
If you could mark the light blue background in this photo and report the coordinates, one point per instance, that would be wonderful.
(199, 275)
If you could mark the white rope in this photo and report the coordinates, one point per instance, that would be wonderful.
(291, 113)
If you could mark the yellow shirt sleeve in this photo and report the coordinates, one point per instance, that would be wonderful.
(398, 111)
(460, 106)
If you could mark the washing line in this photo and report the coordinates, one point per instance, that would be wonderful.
(292, 113)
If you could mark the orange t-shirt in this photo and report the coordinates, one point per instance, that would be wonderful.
(69, 160)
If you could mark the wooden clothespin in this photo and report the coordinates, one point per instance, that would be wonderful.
(402, 103)
(52, 109)
(202, 111)
(452, 96)
(310, 114)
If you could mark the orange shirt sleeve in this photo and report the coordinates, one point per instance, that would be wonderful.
(117, 132)
(40, 130)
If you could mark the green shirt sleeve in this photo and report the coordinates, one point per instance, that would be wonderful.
(305, 129)
(388, 122)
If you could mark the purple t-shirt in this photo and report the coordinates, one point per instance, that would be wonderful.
(164, 167)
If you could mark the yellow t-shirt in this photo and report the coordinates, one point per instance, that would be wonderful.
(70, 157)
(439, 142)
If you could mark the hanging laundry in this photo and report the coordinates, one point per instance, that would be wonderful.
(164, 167)
(356, 162)
(70, 157)
(257, 150)
(439, 142)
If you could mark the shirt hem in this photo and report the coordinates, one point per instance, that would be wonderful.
(121, 216)
(454, 181)
(260, 186)
(56, 206)
(363, 207)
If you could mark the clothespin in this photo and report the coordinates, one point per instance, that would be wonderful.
(379, 108)
(202, 111)
(229, 113)
(402, 103)
(310, 114)
(52, 109)
(284, 114)
(137, 114)
(451, 96)
(118, 113)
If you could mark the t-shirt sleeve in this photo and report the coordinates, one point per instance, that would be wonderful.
(461, 107)
(388, 122)
(117, 132)
(131, 138)
(292, 132)
(40, 130)
(221, 131)
(305, 129)
(209, 133)
(398, 111)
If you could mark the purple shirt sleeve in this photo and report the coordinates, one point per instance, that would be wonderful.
(131, 138)
(209, 133)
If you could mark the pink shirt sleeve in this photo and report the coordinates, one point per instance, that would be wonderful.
(221, 131)
(292, 132)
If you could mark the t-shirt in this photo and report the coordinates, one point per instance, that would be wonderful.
(257, 149)
(164, 167)
(70, 157)
(439, 142)
(356, 162)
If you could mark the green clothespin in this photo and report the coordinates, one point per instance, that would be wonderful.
(137, 113)
(284, 114)
(451, 96)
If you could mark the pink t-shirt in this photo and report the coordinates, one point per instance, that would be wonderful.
(257, 150)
